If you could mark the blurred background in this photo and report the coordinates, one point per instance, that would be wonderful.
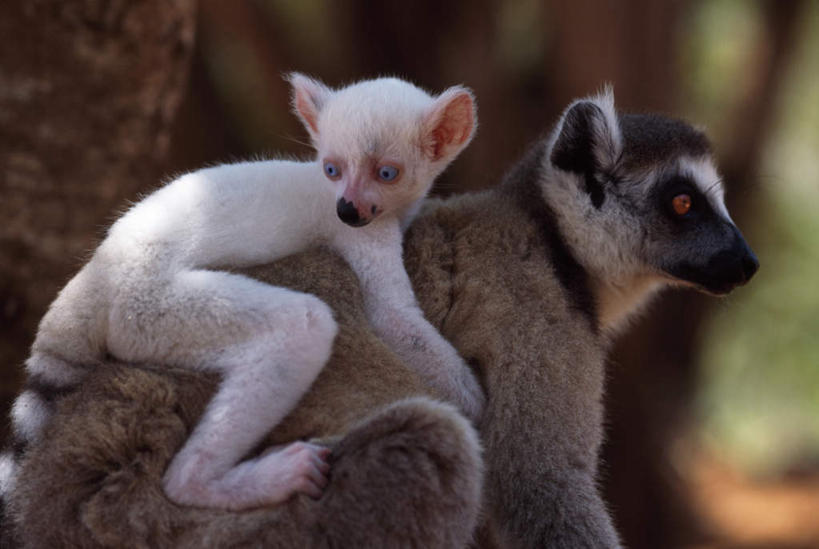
(713, 431)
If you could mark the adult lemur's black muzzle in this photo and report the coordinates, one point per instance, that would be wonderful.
(724, 270)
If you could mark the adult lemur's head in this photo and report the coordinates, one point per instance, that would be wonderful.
(640, 202)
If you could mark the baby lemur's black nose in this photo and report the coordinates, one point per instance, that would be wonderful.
(348, 213)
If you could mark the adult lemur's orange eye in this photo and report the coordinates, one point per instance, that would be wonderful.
(681, 204)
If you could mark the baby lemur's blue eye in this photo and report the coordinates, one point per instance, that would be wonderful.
(387, 173)
(331, 170)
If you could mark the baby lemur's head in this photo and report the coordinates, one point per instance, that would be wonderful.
(382, 142)
(640, 201)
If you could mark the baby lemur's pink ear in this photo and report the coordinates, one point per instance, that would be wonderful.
(308, 98)
(449, 124)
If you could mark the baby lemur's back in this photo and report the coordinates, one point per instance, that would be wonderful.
(190, 224)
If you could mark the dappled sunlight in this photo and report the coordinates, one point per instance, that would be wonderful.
(740, 512)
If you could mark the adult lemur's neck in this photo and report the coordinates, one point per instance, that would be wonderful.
(522, 185)
(607, 304)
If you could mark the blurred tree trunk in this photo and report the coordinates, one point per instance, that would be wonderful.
(757, 107)
(627, 44)
(88, 90)
(653, 370)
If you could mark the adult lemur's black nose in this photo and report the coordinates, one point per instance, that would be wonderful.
(348, 213)
(750, 264)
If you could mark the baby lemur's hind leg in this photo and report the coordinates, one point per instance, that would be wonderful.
(269, 344)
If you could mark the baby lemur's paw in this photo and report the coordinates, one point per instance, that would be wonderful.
(272, 478)
(456, 383)
(299, 467)
(471, 398)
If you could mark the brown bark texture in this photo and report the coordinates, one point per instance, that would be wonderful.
(88, 90)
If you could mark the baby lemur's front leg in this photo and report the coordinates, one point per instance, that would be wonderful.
(375, 255)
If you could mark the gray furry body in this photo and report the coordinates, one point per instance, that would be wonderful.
(529, 281)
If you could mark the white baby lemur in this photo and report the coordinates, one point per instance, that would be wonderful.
(153, 291)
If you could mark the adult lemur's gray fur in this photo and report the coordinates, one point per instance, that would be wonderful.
(529, 281)
(625, 204)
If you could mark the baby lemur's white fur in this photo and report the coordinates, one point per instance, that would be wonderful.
(151, 292)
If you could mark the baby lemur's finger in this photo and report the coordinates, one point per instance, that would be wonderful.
(320, 456)
(319, 449)
(328, 441)
(314, 483)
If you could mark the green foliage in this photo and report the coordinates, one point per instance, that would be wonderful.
(718, 47)
(760, 398)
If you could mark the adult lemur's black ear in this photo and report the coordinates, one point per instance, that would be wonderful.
(588, 142)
